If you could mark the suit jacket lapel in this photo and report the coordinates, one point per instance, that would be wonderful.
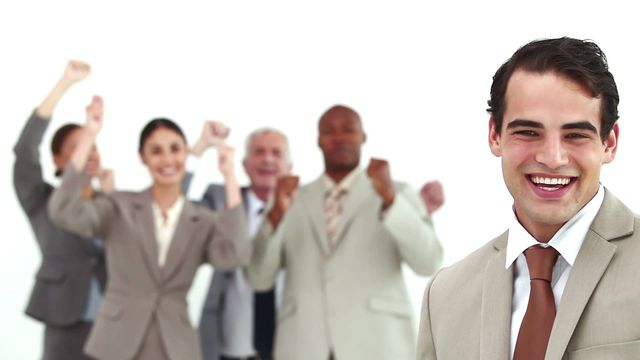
(143, 218)
(497, 293)
(361, 190)
(313, 200)
(182, 238)
(613, 221)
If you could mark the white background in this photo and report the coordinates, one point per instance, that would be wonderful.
(418, 72)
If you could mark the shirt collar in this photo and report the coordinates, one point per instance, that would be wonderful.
(344, 184)
(173, 212)
(567, 240)
(254, 204)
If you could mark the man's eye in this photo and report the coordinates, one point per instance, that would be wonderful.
(525, 133)
(577, 136)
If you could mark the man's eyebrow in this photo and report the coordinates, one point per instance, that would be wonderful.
(580, 125)
(524, 123)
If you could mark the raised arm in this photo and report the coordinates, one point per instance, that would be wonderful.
(268, 242)
(74, 72)
(66, 208)
(92, 126)
(407, 220)
(28, 179)
(226, 156)
(213, 134)
(229, 245)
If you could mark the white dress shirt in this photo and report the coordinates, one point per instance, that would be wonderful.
(567, 241)
(237, 317)
(165, 227)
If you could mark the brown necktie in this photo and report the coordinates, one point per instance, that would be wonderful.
(541, 310)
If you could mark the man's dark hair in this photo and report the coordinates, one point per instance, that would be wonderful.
(581, 61)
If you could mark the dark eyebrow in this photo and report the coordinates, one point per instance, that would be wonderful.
(581, 125)
(524, 123)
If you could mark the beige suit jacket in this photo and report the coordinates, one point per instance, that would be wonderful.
(139, 290)
(350, 300)
(467, 307)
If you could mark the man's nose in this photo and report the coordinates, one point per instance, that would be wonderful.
(552, 153)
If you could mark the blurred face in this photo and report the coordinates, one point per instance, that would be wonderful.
(68, 147)
(164, 152)
(340, 139)
(266, 160)
(551, 149)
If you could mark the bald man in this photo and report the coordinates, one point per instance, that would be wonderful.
(342, 240)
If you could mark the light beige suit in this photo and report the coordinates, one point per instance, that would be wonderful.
(143, 298)
(350, 300)
(467, 307)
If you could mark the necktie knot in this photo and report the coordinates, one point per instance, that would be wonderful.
(335, 193)
(540, 261)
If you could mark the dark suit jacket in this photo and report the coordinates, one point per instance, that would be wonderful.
(60, 294)
(466, 312)
(211, 319)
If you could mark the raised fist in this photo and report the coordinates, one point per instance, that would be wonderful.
(285, 193)
(75, 71)
(432, 195)
(378, 172)
(226, 157)
(95, 114)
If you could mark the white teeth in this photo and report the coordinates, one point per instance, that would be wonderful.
(168, 171)
(550, 181)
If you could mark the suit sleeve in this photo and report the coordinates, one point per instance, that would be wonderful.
(87, 218)
(31, 189)
(426, 346)
(214, 197)
(413, 231)
(229, 245)
(266, 260)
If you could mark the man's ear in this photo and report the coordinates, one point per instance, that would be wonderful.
(59, 162)
(611, 144)
(495, 143)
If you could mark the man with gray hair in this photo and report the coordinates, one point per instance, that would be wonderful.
(238, 323)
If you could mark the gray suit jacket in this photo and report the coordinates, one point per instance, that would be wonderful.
(138, 287)
(467, 307)
(210, 327)
(60, 294)
(350, 300)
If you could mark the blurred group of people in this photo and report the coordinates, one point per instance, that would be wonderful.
(117, 265)
(314, 272)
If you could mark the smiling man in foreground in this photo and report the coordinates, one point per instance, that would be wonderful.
(562, 282)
